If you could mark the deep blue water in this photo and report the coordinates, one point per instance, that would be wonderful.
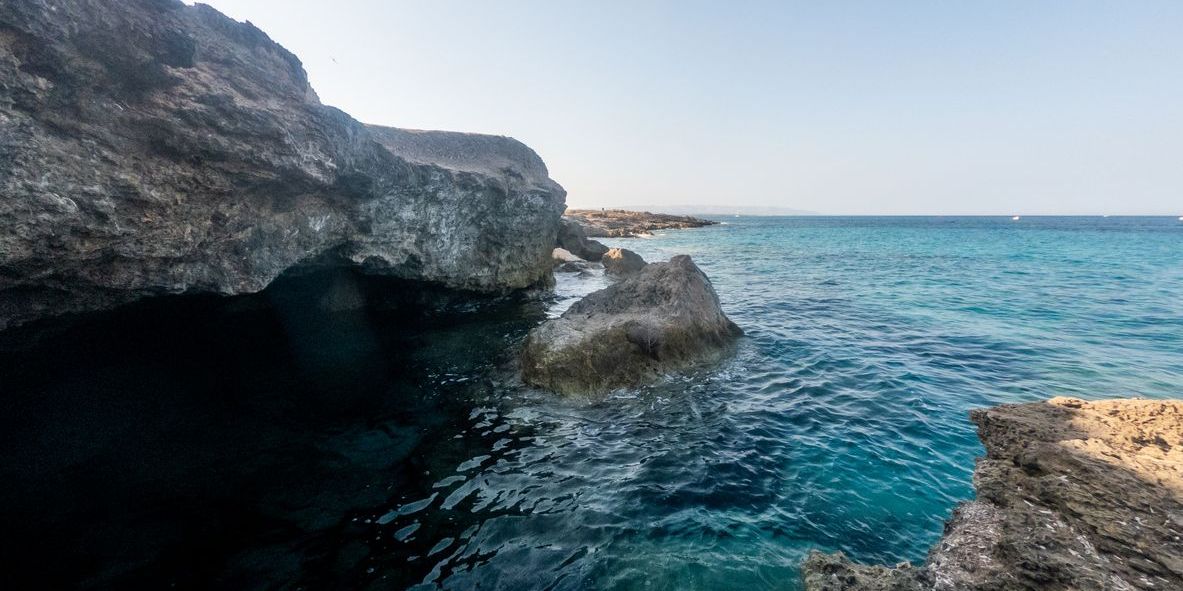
(317, 450)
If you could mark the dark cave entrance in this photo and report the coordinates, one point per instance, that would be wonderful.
(206, 441)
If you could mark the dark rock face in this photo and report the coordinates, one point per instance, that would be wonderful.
(148, 147)
(572, 239)
(663, 318)
(622, 261)
(1071, 495)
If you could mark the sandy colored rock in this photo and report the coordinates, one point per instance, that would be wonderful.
(1071, 495)
(662, 318)
(622, 261)
(562, 255)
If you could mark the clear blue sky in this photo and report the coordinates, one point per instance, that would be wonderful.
(943, 107)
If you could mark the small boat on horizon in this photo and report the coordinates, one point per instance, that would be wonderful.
(1015, 218)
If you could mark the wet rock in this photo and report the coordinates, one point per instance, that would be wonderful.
(1071, 495)
(662, 318)
(572, 267)
(835, 572)
(572, 239)
(622, 261)
(148, 147)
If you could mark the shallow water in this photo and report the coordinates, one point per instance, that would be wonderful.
(277, 446)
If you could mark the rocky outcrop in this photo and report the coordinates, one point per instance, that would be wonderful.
(1071, 495)
(619, 223)
(562, 255)
(566, 262)
(572, 239)
(148, 147)
(622, 261)
(663, 318)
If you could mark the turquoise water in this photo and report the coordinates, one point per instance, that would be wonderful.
(841, 424)
(367, 452)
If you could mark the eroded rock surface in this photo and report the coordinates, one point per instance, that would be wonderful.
(662, 318)
(619, 223)
(1071, 495)
(149, 147)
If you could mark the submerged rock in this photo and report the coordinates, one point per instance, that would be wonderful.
(572, 239)
(148, 147)
(662, 318)
(1071, 495)
(622, 261)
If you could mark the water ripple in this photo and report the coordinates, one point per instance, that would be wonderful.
(841, 423)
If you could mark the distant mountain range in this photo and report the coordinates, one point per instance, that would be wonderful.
(710, 210)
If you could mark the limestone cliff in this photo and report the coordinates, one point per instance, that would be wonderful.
(148, 147)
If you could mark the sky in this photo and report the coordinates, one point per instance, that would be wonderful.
(836, 107)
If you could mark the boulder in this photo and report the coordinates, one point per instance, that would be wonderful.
(572, 238)
(664, 317)
(562, 255)
(149, 147)
(622, 261)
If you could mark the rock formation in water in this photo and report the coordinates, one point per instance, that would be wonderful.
(562, 255)
(572, 239)
(1071, 495)
(622, 261)
(662, 318)
(149, 147)
(619, 223)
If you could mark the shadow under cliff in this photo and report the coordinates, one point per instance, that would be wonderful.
(204, 441)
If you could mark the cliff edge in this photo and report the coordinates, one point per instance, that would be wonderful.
(148, 147)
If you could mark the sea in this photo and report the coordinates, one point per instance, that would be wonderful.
(271, 443)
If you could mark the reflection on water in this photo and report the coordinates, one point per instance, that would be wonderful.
(268, 443)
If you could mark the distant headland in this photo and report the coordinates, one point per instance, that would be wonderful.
(711, 210)
(622, 223)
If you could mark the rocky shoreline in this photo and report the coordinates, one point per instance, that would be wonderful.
(155, 149)
(150, 148)
(619, 223)
(1070, 495)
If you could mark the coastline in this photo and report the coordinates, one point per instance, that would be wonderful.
(1071, 494)
(248, 340)
(620, 223)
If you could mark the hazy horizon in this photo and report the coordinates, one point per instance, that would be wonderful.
(836, 108)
